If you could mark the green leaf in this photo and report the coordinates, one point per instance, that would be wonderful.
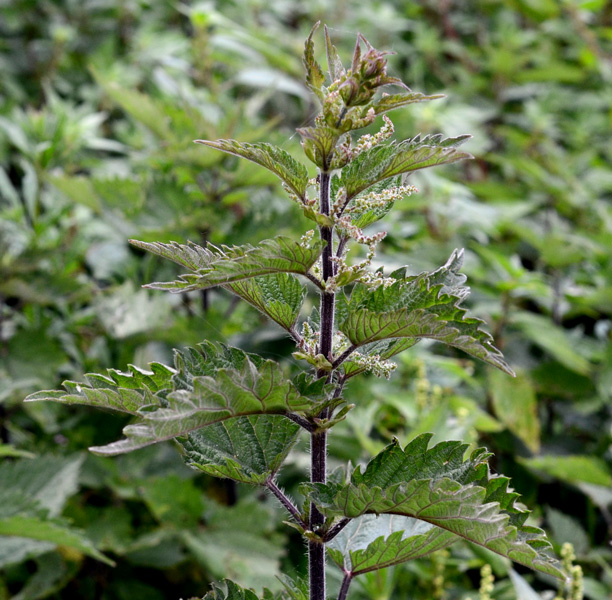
(516, 405)
(214, 266)
(314, 73)
(373, 542)
(293, 173)
(173, 500)
(23, 514)
(278, 295)
(334, 63)
(48, 480)
(552, 339)
(389, 159)
(124, 392)
(422, 306)
(209, 384)
(246, 449)
(240, 541)
(319, 143)
(573, 469)
(391, 102)
(228, 590)
(54, 531)
(438, 486)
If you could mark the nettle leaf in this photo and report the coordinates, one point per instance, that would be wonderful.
(391, 102)
(278, 295)
(392, 158)
(209, 384)
(319, 143)
(214, 266)
(228, 590)
(293, 173)
(439, 486)
(334, 63)
(124, 392)
(250, 387)
(315, 78)
(26, 515)
(422, 306)
(373, 542)
(246, 449)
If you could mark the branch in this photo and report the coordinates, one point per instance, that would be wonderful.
(291, 508)
(314, 280)
(346, 582)
(301, 421)
(344, 356)
(332, 532)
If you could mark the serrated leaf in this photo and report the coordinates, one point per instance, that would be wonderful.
(314, 73)
(278, 295)
(209, 384)
(293, 173)
(392, 158)
(438, 486)
(373, 542)
(334, 63)
(124, 392)
(422, 306)
(319, 143)
(246, 449)
(391, 102)
(214, 266)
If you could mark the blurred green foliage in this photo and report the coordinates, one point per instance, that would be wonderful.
(99, 103)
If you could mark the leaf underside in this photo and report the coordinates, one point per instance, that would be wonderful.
(293, 173)
(422, 306)
(209, 384)
(245, 449)
(278, 295)
(373, 542)
(438, 486)
(212, 266)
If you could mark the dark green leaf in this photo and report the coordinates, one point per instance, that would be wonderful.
(391, 102)
(214, 266)
(246, 449)
(278, 295)
(389, 159)
(273, 158)
(319, 143)
(422, 306)
(438, 486)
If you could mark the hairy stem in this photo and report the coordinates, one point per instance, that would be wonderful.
(346, 582)
(286, 502)
(318, 440)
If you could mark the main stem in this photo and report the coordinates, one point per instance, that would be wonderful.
(318, 440)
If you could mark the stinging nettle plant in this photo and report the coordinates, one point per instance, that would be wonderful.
(237, 415)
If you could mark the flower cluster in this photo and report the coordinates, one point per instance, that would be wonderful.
(374, 364)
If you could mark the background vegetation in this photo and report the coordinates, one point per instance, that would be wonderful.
(99, 103)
